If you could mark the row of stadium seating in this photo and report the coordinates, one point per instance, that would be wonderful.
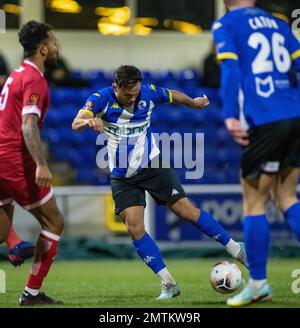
(182, 78)
(79, 150)
(62, 96)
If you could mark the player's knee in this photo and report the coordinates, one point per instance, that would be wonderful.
(185, 210)
(252, 208)
(191, 214)
(60, 223)
(284, 200)
(135, 231)
(56, 223)
(255, 204)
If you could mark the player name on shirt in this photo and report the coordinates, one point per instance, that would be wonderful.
(262, 22)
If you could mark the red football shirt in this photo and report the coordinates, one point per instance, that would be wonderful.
(25, 92)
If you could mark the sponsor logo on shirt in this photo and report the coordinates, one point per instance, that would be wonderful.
(89, 105)
(115, 106)
(153, 87)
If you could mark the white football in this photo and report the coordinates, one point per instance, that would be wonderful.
(226, 277)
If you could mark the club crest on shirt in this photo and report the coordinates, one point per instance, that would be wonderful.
(142, 104)
(33, 99)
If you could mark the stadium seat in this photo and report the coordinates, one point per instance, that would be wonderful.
(189, 78)
(52, 119)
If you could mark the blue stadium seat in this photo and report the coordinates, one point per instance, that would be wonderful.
(210, 157)
(225, 139)
(61, 153)
(63, 96)
(83, 157)
(92, 176)
(65, 136)
(77, 74)
(52, 119)
(50, 135)
(213, 116)
(165, 75)
(85, 176)
(189, 78)
(148, 77)
(210, 137)
(174, 116)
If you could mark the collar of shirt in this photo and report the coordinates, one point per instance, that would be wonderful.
(28, 62)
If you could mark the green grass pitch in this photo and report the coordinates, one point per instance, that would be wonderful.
(130, 284)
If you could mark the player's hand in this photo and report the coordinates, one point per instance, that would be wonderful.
(96, 124)
(235, 128)
(43, 176)
(200, 102)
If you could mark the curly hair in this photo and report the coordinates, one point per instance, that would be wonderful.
(127, 76)
(31, 35)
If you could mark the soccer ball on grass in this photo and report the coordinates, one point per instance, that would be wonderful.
(226, 277)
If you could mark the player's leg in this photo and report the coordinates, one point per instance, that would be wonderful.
(261, 162)
(256, 228)
(52, 223)
(207, 224)
(285, 197)
(18, 250)
(166, 188)
(13, 239)
(147, 249)
(256, 235)
(5, 224)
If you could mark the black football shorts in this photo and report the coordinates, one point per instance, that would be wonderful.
(272, 147)
(161, 183)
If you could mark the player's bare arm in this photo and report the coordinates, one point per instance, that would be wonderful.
(83, 120)
(32, 138)
(183, 99)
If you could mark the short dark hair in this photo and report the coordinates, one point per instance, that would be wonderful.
(31, 35)
(127, 76)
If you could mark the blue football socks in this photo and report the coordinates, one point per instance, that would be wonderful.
(211, 227)
(292, 215)
(256, 234)
(149, 253)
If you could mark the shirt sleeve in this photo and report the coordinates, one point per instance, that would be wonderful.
(224, 42)
(293, 44)
(230, 83)
(294, 49)
(35, 97)
(160, 95)
(95, 104)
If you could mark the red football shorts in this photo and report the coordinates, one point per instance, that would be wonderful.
(17, 183)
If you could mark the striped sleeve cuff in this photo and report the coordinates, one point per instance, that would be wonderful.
(295, 54)
(88, 112)
(171, 96)
(227, 55)
(33, 109)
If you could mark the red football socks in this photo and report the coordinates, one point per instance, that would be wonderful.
(45, 252)
(13, 239)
